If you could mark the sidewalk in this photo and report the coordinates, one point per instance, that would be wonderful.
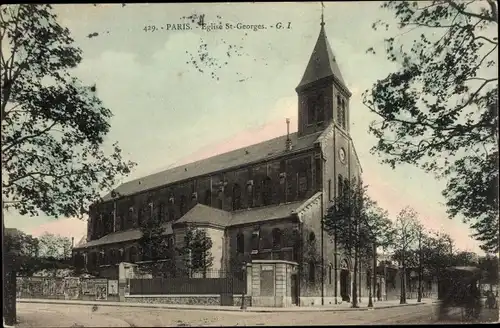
(326, 308)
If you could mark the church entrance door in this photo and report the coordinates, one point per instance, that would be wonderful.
(345, 283)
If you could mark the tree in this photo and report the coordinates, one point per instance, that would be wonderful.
(197, 251)
(357, 225)
(405, 234)
(378, 232)
(21, 244)
(439, 110)
(155, 246)
(30, 255)
(55, 246)
(53, 127)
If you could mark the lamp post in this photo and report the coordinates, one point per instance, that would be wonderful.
(420, 273)
(243, 304)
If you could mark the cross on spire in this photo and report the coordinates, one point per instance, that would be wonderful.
(322, 14)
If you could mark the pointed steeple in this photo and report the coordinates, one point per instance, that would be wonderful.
(322, 63)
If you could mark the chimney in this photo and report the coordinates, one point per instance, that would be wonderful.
(288, 143)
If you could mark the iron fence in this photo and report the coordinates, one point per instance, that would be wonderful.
(199, 283)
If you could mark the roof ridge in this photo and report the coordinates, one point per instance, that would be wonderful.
(263, 150)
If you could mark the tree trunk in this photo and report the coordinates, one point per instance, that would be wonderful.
(402, 299)
(419, 297)
(355, 280)
(9, 278)
(373, 281)
(335, 265)
(370, 296)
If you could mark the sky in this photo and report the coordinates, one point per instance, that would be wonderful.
(167, 112)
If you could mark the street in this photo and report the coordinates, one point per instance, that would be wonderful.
(61, 315)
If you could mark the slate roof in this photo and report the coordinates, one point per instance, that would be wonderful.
(265, 150)
(205, 214)
(208, 215)
(120, 236)
(322, 62)
(266, 213)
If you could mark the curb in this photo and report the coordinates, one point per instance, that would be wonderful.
(228, 309)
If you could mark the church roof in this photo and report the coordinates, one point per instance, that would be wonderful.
(268, 149)
(202, 214)
(322, 63)
(205, 214)
(120, 237)
(213, 216)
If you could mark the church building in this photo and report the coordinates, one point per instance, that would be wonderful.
(264, 202)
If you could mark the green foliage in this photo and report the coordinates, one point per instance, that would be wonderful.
(439, 110)
(55, 246)
(27, 255)
(53, 127)
(197, 250)
(356, 223)
(406, 233)
(155, 246)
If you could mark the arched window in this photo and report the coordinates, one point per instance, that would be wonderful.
(255, 239)
(236, 197)
(312, 237)
(171, 214)
(276, 238)
(240, 243)
(303, 182)
(102, 258)
(296, 244)
(122, 221)
(312, 272)
(182, 205)
(340, 187)
(133, 253)
(161, 212)
(320, 109)
(311, 110)
(139, 216)
(339, 111)
(250, 193)
(208, 197)
(267, 191)
(343, 114)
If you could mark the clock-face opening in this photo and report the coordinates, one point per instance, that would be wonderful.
(342, 155)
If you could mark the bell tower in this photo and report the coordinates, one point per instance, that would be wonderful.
(323, 95)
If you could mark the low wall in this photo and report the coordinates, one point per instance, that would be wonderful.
(110, 298)
(184, 299)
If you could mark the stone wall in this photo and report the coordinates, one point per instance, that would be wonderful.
(265, 251)
(184, 299)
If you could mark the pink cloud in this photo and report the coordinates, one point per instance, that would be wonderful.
(248, 137)
(69, 227)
